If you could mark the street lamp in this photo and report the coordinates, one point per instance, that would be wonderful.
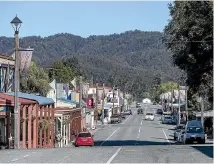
(16, 24)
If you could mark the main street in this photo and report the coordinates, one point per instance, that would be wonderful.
(135, 140)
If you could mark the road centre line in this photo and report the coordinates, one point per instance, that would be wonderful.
(109, 136)
(141, 122)
(114, 155)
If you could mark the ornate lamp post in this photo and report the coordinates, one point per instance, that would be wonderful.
(16, 24)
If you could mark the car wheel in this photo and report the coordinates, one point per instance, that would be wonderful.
(76, 145)
(175, 138)
(202, 142)
(186, 142)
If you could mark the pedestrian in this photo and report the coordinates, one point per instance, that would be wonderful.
(58, 138)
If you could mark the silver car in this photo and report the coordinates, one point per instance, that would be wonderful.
(176, 133)
(167, 120)
(178, 130)
(181, 136)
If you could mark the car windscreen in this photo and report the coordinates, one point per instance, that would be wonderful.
(84, 135)
(194, 130)
(149, 114)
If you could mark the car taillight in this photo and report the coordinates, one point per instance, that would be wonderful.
(90, 139)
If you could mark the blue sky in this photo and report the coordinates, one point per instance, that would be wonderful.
(83, 18)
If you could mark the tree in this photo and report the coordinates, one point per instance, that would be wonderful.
(62, 73)
(189, 37)
(162, 88)
(37, 81)
(73, 63)
(167, 87)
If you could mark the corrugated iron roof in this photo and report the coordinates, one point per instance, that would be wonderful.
(68, 101)
(9, 100)
(40, 99)
(4, 56)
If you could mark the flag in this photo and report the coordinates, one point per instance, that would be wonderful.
(25, 60)
(85, 88)
(73, 82)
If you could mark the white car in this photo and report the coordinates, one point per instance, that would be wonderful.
(149, 116)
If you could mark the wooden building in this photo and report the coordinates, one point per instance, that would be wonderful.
(36, 117)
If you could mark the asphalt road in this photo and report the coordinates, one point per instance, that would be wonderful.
(135, 140)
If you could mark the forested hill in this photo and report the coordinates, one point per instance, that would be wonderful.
(131, 59)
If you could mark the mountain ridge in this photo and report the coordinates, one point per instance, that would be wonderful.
(131, 53)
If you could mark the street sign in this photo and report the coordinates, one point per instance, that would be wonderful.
(90, 103)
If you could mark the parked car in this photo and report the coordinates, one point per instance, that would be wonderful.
(116, 118)
(140, 111)
(194, 132)
(123, 115)
(149, 116)
(159, 111)
(84, 139)
(180, 126)
(181, 136)
(128, 112)
(177, 133)
(167, 120)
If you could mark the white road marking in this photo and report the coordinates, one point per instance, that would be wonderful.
(141, 122)
(126, 119)
(166, 136)
(109, 137)
(114, 155)
(26, 156)
(13, 160)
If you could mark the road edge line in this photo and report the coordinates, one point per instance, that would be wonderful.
(166, 137)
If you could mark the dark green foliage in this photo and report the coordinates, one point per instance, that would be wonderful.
(189, 36)
(37, 81)
(130, 60)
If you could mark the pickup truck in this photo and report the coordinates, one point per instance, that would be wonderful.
(116, 118)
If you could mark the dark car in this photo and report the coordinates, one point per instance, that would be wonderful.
(159, 111)
(116, 118)
(140, 111)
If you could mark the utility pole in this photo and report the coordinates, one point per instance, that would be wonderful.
(80, 97)
(186, 105)
(96, 101)
(202, 110)
(103, 96)
(113, 102)
(179, 106)
(172, 100)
